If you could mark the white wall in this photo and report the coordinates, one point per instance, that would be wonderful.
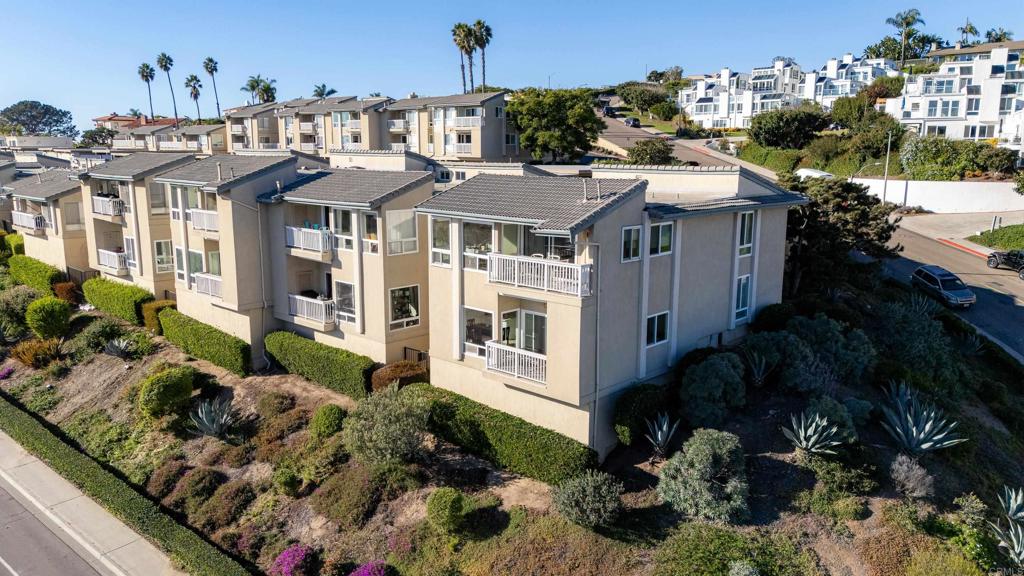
(948, 197)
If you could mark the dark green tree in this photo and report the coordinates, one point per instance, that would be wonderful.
(561, 123)
(664, 110)
(904, 22)
(884, 87)
(34, 117)
(998, 35)
(101, 136)
(788, 128)
(848, 110)
(888, 48)
(641, 97)
(650, 151)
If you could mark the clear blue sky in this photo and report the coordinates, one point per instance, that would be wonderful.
(83, 55)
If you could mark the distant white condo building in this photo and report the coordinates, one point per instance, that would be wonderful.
(731, 99)
(844, 76)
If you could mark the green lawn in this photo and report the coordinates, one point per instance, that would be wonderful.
(659, 125)
(1006, 238)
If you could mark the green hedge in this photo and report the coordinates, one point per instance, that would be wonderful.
(206, 342)
(151, 314)
(15, 243)
(122, 300)
(508, 441)
(330, 367)
(634, 407)
(37, 275)
(190, 550)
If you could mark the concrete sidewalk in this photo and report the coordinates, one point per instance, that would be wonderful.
(114, 547)
(953, 229)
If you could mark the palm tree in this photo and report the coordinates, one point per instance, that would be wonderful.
(459, 35)
(147, 74)
(165, 62)
(134, 112)
(904, 22)
(466, 41)
(482, 37)
(251, 86)
(322, 91)
(998, 35)
(966, 31)
(267, 92)
(194, 84)
(210, 65)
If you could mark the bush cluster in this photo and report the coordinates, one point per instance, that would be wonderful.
(386, 428)
(849, 354)
(194, 489)
(508, 441)
(634, 407)
(151, 314)
(348, 497)
(404, 372)
(330, 367)
(225, 505)
(206, 342)
(711, 388)
(700, 549)
(939, 158)
(36, 353)
(48, 317)
(707, 479)
(591, 499)
(271, 404)
(327, 421)
(788, 127)
(166, 391)
(117, 298)
(14, 303)
(446, 507)
(35, 274)
(15, 243)
(66, 291)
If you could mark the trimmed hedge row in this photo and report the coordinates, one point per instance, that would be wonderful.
(37, 275)
(151, 314)
(15, 243)
(206, 342)
(334, 368)
(508, 441)
(190, 550)
(122, 300)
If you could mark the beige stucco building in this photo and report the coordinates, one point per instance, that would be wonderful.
(200, 139)
(46, 209)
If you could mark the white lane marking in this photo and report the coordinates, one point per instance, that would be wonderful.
(8, 567)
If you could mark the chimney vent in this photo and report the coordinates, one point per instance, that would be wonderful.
(220, 175)
(232, 171)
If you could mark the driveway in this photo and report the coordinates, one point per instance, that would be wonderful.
(625, 137)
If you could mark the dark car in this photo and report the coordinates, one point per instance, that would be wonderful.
(943, 285)
(632, 122)
(1014, 260)
(608, 112)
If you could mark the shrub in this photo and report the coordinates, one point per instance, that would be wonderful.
(295, 560)
(937, 561)
(151, 314)
(166, 391)
(404, 372)
(859, 410)
(194, 489)
(791, 359)
(374, 568)
(36, 353)
(910, 478)
(35, 274)
(273, 403)
(116, 298)
(445, 509)
(225, 505)
(387, 427)
(321, 459)
(164, 478)
(837, 415)
(698, 549)
(650, 151)
(326, 421)
(14, 303)
(348, 498)
(96, 335)
(286, 479)
(206, 342)
(918, 340)
(48, 317)
(633, 408)
(393, 480)
(66, 291)
(15, 243)
(711, 388)
(508, 441)
(849, 355)
(664, 111)
(773, 317)
(707, 479)
(334, 368)
(590, 499)
(787, 128)
(742, 568)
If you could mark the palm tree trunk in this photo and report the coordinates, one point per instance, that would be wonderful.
(903, 50)
(174, 102)
(483, 67)
(462, 64)
(199, 116)
(215, 96)
(471, 87)
(149, 89)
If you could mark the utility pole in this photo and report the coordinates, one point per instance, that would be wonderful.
(885, 177)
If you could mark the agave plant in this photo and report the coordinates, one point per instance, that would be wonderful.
(922, 305)
(1011, 541)
(213, 417)
(917, 427)
(1012, 501)
(10, 331)
(972, 345)
(120, 347)
(812, 434)
(760, 367)
(660, 432)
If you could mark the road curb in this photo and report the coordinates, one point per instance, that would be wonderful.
(962, 248)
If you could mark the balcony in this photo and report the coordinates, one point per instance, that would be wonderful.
(204, 220)
(208, 284)
(306, 127)
(125, 144)
(307, 242)
(35, 223)
(468, 121)
(539, 274)
(517, 362)
(106, 206)
(270, 146)
(314, 309)
(171, 145)
(113, 262)
(399, 146)
(307, 147)
(464, 148)
(351, 125)
(238, 128)
(397, 125)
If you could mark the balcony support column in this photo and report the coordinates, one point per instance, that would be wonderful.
(357, 274)
(182, 207)
(457, 312)
(645, 271)
(677, 264)
(134, 214)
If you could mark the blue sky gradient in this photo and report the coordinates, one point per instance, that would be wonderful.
(83, 55)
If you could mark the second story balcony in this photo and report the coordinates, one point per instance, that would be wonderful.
(208, 284)
(399, 146)
(467, 121)
(517, 362)
(398, 125)
(204, 220)
(107, 206)
(308, 242)
(238, 128)
(317, 310)
(464, 148)
(114, 262)
(307, 146)
(351, 125)
(307, 127)
(540, 274)
(33, 223)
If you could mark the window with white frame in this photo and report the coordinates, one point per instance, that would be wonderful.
(402, 237)
(476, 244)
(129, 251)
(479, 329)
(460, 175)
(443, 176)
(175, 203)
(630, 243)
(499, 112)
(661, 238)
(746, 240)
(213, 262)
(72, 215)
(657, 329)
(371, 242)
(345, 301)
(162, 256)
(157, 198)
(405, 307)
(343, 229)
(440, 242)
(179, 263)
(195, 264)
(742, 298)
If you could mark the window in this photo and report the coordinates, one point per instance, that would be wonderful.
(746, 245)
(402, 238)
(73, 215)
(195, 264)
(936, 131)
(951, 108)
(370, 241)
(405, 307)
(162, 255)
(465, 138)
(440, 242)
(499, 112)
(511, 139)
(179, 263)
(343, 229)
(335, 120)
(661, 239)
(129, 252)
(933, 108)
(157, 198)
(175, 203)
(630, 243)
(983, 131)
(973, 105)
(479, 329)
(657, 329)
(213, 262)
(476, 242)
(460, 175)
(345, 301)
(443, 176)
(742, 298)
(535, 332)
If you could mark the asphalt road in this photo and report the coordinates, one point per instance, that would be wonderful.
(29, 548)
(1000, 307)
(624, 136)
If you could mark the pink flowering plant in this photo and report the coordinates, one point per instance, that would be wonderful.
(375, 568)
(295, 560)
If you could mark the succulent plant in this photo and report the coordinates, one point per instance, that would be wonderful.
(120, 347)
(213, 417)
(660, 432)
(917, 427)
(1011, 541)
(972, 345)
(812, 433)
(1012, 501)
(10, 331)
(922, 305)
(760, 367)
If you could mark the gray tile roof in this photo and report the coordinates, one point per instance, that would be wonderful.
(233, 169)
(252, 110)
(355, 105)
(551, 203)
(675, 210)
(150, 129)
(474, 99)
(139, 165)
(44, 186)
(364, 188)
(198, 129)
(321, 106)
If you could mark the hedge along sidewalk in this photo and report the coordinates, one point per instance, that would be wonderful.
(121, 501)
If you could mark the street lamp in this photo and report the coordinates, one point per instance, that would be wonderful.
(850, 179)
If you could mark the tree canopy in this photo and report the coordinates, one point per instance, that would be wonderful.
(561, 122)
(33, 117)
(641, 97)
(101, 136)
(650, 151)
(787, 128)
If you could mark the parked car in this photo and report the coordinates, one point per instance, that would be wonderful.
(1014, 260)
(632, 122)
(608, 112)
(943, 285)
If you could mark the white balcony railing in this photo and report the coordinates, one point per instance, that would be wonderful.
(517, 362)
(208, 284)
(127, 143)
(29, 220)
(172, 145)
(540, 274)
(467, 121)
(108, 206)
(238, 128)
(307, 146)
(396, 124)
(308, 239)
(311, 308)
(192, 144)
(117, 261)
(351, 125)
(270, 146)
(204, 220)
(463, 148)
(399, 146)
(305, 127)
